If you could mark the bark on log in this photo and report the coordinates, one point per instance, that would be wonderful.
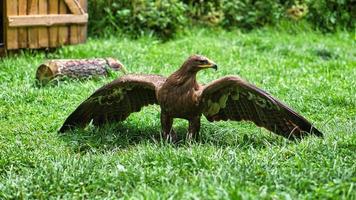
(79, 68)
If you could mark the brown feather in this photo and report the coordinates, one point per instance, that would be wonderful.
(115, 101)
(247, 102)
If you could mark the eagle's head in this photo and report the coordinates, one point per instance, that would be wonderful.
(196, 63)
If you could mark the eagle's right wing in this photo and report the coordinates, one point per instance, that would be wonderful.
(115, 101)
(232, 98)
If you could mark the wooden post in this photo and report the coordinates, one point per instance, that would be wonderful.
(33, 31)
(2, 52)
(23, 30)
(79, 68)
(63, 30)
(43, 41)
(11, 33)
(53, 31)
(83, 28)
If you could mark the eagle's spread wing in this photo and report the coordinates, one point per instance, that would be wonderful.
(116, 101)
(231, 98)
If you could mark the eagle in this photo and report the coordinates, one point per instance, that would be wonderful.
(181, 96)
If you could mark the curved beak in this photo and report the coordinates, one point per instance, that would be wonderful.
(211, 64)
(215, 67)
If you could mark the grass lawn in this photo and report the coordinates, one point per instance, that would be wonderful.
(313, 73)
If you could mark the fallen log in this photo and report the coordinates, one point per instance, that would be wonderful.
(77, 68)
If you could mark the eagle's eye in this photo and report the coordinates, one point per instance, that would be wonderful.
(203, 62)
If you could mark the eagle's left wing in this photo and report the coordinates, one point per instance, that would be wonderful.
(115, 101)
(231, 98)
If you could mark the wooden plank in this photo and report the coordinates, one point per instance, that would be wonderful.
(63, 31)
(2, 24)
(46, 20)
(73, 29)
(84, 5)
(43, 40)
(73, 36)
(22, 33)
(82, 35)
(32, 31)
(74, 7)
(84, 28)
(53, 31)
(2, 51)
(11, 33)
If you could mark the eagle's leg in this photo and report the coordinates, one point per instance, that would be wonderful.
(167, 130)
(194, 128)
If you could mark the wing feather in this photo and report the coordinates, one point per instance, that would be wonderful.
(115, 101)
(244, 101)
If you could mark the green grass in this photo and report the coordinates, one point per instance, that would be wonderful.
(313, 73)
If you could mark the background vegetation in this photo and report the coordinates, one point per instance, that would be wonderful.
(166, 17)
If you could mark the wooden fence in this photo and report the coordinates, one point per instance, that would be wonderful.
(39, 24)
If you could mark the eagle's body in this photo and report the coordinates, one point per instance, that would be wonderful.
(180, 99)
(180, 96)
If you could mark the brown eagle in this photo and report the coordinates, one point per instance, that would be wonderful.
(181, 96)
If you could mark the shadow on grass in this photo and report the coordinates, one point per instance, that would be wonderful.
(109, 137)
(124, 135)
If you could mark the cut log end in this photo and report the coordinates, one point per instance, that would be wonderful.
(44, 74)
